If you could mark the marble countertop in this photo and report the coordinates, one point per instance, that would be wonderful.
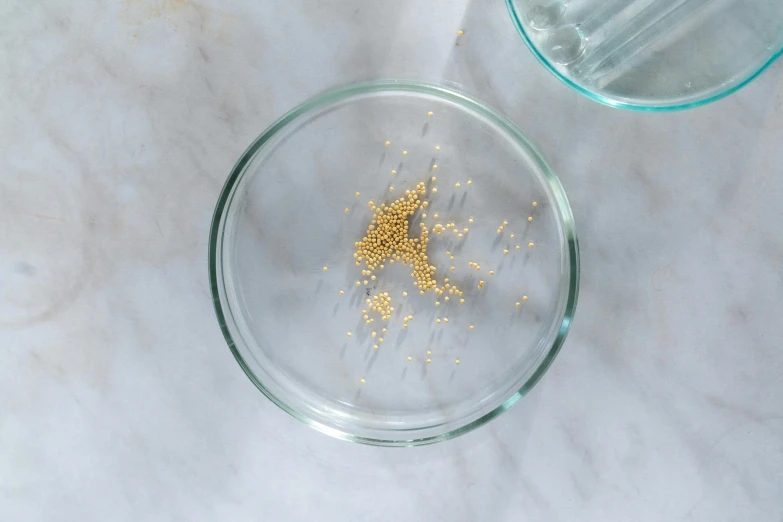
(119, 400)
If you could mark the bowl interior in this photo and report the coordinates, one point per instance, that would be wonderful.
(284, 220)
(652, 54)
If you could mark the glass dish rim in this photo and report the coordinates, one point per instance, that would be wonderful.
(612, 102)
(448, 94)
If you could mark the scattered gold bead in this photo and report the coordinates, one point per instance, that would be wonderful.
(394, 172)
(434, 167)
(535, 203)
(374, 334)
(428, 361)
(374, 346)
(325, 269)
(383, 330)
(429, 113)
(460, 33)
(342, 293)
(491, 272)
(456, 184)
(451, 268)
(462, 301)
(424, 216)
(437, 321)
(429, 353)
(445, 319)
(358, 283)
(347, 210)
(471, 327)
(470, 221)
(380, 340)
(530, 244)
(470, 182)
(437, 303)
(524, 298)
(373, 277)
(446, 298)
(358, 194)
(348, 334)
(437, 149)
(410, 358)
(391, 189)
(435, 216)
(505, 251)
(530, 218)
(405, 153)
(366, 282)
(362, 381)
(518, 247)
(388, 143)
(405, 294)
(456, 362)
(434, 190)
(519, 304)
(511, 236)
(481, 283)
(505, 223)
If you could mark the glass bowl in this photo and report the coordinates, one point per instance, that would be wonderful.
(652, 55)
(289, 295)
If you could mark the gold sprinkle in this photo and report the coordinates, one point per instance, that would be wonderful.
(505, 251)
(511, 236)
(429, 113)
(383, 330)
(435, 216)
(358, 194)
(437, 303)
(451, 268)
(446, 298)
(374, 334)
(437, 321)
(535, 203)
(405, 294)
(471, 219)
(530, 218)
(410, 358)
(530, 245)
(456, 362)
(471, 327)
(491, 272)
(437, 149)
(325, 269)
(366, 282)
(342, 293)
(434, 190)
(362, 381)
(358, 283)
(470, 182)
(524, 298)
(428, 361)
(462, 301)
(388, 143)
(394, 172)
(346, 210)
(456, 184)
(373, 277)
(380, 340)
(374, 346)
(391, 189)
(429, 353)
(434, 167)
(460, 33)
(505, 223)
(405, 153)
(348, 334)
(519, 304)
(517, 247)
(445, 319)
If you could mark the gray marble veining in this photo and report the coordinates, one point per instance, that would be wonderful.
(119, 400)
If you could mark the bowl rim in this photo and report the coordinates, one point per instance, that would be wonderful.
(448, 94)
(630, 105)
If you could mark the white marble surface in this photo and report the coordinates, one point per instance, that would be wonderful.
(119, 122)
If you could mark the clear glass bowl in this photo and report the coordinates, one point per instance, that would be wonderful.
(652, 54)
(281, 218)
